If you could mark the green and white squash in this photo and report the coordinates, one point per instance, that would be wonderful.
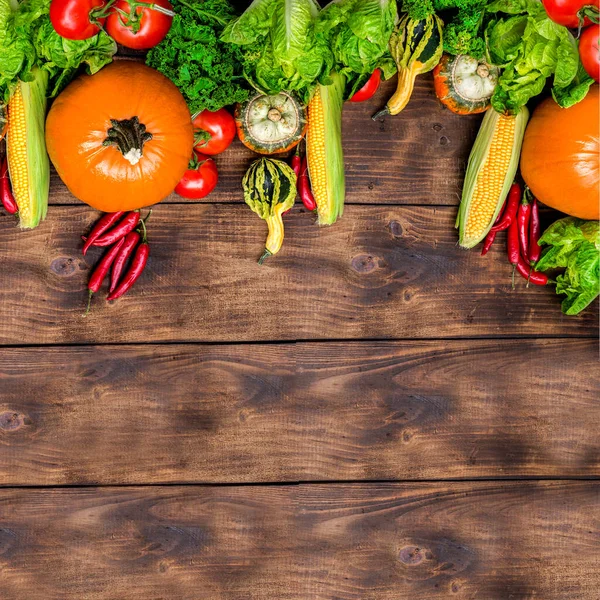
(271, 124)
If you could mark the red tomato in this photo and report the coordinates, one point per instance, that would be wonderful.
(570, 12)
(220, 127)
(589, 51)
(74, 20)
(146, 30)
(200, 179)
(368, 90)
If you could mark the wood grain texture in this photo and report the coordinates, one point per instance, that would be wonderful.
(492, 541)
(416, 157)
(380, 272)
(299, 412)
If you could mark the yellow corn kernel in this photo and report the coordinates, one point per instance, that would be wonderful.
(490, 179)
(28, 163)
(17, 153)
(324, 149)
(490, 172)
(315, 153)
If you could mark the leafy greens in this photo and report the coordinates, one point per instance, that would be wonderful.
(530, 47)
(28, 41)
(359, 32)
(207, 71)
(280, 46)
(573, 244)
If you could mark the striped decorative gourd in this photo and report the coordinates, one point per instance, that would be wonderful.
(491, 170)
(28, 163)
(270, 190)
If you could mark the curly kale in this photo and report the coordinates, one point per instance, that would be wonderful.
(207, 71)
(463, 20)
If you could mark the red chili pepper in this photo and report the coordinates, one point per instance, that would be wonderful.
(8, 199)
(532, 276)
(491, 236)
(523, 223)
(137, 266)
(534, 233)
(304, 190)
(296, 162)
(487, 244)
(104, 223)
(130, 242)
(101, 271)
(129, 223)
(512, 245)
(512, 204)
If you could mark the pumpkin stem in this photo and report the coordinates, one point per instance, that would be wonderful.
(129, 136)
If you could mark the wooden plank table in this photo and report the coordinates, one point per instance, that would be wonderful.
(373, 414)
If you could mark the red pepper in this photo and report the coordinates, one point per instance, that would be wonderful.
(101, 271)
(534, 233)
(523, 224)
(129, 223)
(8, 199)
(296, 162)
(487, 244)
(491, 236)
(532, 276)
(512, 204)
(137, 266)
(512, 245)
(130, 242)
(104, 223)
(304, 190)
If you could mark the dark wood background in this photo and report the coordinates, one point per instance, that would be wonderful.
(373, 414)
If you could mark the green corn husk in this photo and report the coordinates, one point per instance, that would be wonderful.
(33, 199)
(477, 161)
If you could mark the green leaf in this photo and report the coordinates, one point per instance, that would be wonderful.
(504, 38)
(207, 70)
(292, 21)
(574, 92)
(574, 245)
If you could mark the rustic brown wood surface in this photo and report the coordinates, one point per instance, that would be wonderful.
(372, 350)
(492, 540)
(298, 412)
(381, 272)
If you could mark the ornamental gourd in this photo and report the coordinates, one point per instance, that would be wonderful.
(416, 46)
(270, 190)
(560, 157)
(464, 84)
(120, 139)
(271, 124)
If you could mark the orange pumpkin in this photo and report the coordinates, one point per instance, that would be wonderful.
(120, 139)
(560, 156)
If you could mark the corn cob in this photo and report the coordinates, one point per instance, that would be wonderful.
(28, 163)
(491, 169)
(324, 153)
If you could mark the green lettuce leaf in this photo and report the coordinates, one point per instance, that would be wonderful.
(575, 91)
(573, 245)
(531, 48)
(359, 32)
(28, 41)
(280, 46)
(62, 58)
(504, 38)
